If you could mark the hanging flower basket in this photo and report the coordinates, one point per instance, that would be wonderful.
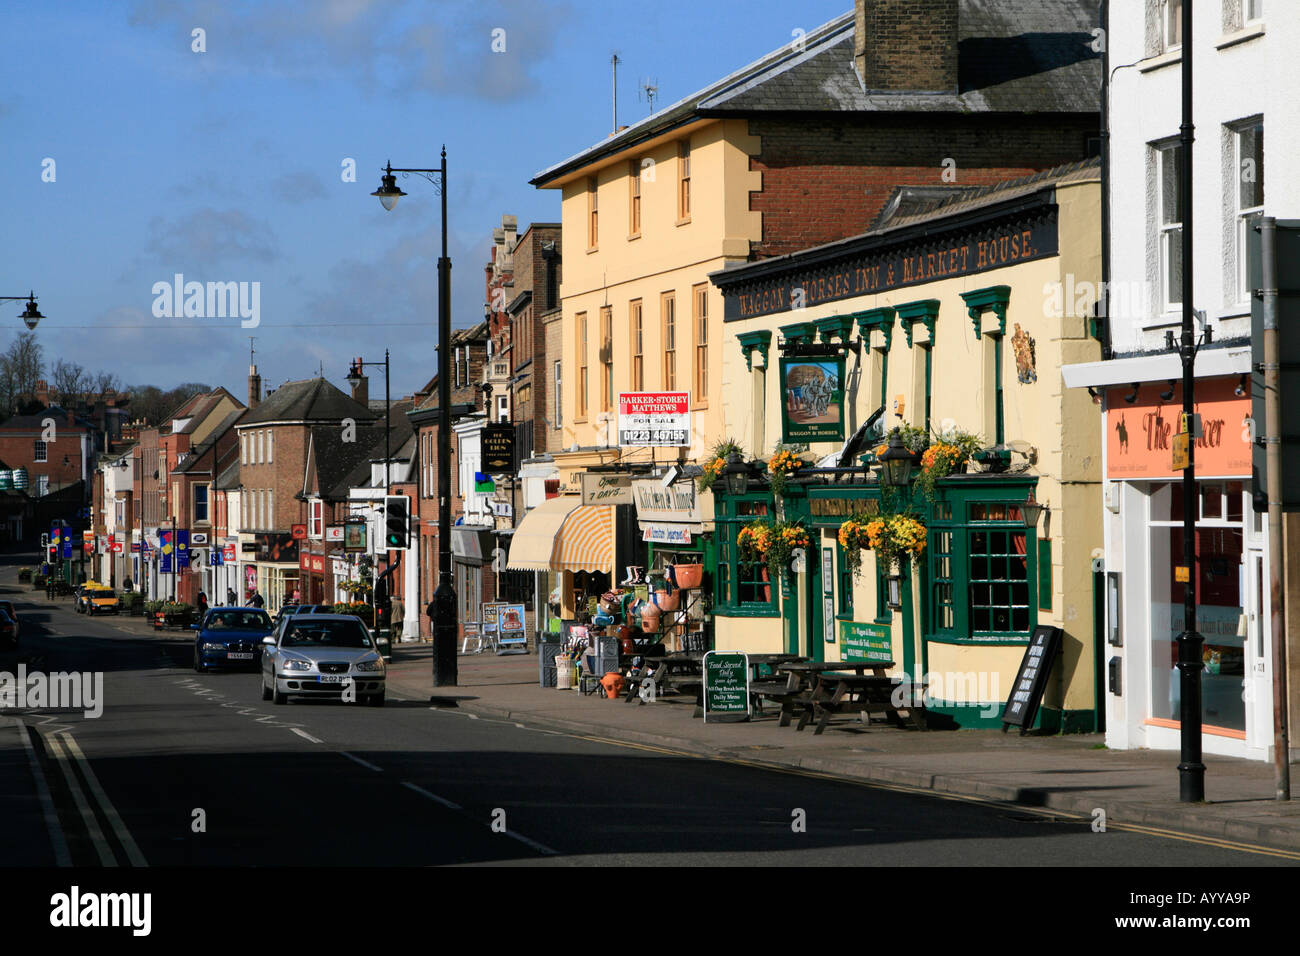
(854, 539)
(780, 467)
(718, 461)
(895, 536)
(945, 457)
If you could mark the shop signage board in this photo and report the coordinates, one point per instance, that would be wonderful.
(828, 618)
(666, 534)
(895, 266)
(598, 489)
(654, 419)
(498, 443)
(334, 534)
(228, 553)
(860, 641)
(812, 398)
(1141, 437)
(678, 503)
(298, 532)
(726, 686)
(510, 624)
(354, 536)
(1031, 680)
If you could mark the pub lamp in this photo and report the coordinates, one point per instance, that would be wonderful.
(894, 595)
(388, 193)
(1031, 510)
(896, 464)
(31, 315)
(735, 475)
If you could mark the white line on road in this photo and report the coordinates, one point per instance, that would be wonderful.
(306, 736)
(57, 840)
(365, 763)
(123, 834)
(541, 848)
(79, 798)
(432, 796)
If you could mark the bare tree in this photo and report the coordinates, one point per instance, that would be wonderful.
(21, 366)
(69, 382)
(105, 383)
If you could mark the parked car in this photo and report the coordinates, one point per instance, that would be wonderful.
(8, 631)
(318, 655)
(8, 608)
(102, 600)
(231, 637)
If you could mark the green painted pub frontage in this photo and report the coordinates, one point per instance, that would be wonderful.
(955, 354)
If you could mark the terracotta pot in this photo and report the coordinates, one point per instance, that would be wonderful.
(650, 618)
(668, 601)
(688, 575)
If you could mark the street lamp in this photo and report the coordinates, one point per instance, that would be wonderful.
(444, 598)
(896, 464)
(31, 315)
(736, 475)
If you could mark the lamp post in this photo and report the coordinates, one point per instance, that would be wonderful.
(444, 598)
(30, 315)
(896, 464)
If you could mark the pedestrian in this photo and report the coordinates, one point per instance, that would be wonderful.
(230, 597)
(127, 585)
(202, 602)
(257, 600)
(399, 615)
(432, 612)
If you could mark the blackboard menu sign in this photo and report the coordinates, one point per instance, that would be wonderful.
(726, 686)
(1031, 679)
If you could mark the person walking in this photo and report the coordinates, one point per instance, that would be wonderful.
(257, 600)
(230, 597)
(202, 602)
(398, 617)
(432, 612)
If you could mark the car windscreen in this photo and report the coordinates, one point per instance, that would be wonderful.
(308, 633)
(99, 595)
(238, 620)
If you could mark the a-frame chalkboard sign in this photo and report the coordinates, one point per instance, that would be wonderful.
(1031, 680)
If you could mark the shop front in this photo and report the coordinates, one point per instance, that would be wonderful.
(276, 572)
(932, 343)
(674, 528)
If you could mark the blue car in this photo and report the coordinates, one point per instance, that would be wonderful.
(231, 637)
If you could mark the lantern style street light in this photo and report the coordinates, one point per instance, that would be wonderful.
(445, 624)
(1031, 510)
(735, 475)
(31, 315)
(896, 464)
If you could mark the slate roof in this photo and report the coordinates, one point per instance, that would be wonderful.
(343, 465)
(310, 400)
(203, 453)
(1013, 56)
(229, 478)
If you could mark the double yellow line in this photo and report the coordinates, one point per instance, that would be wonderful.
(65, 751)
(1219, 842)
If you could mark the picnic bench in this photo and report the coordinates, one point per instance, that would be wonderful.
(680, 671)
(822, 689)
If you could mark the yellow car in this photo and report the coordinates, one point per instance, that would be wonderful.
(97, 599)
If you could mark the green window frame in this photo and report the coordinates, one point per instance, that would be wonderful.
(742, 588)
(982, 564)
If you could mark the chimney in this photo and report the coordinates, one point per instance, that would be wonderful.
(43, 392)
(254, 387)
(906, 46)
(360, 383)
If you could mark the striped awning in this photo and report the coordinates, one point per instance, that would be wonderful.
(586, 541)
(561, 534)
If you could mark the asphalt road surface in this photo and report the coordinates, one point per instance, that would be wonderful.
(195, 769)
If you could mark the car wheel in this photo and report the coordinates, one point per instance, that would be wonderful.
(277, 697)
(266, 691)
(199, 666)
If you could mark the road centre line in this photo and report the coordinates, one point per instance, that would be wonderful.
(306, 736)
(79, 798)
(365, 763)
(124, 837)
(58, 842)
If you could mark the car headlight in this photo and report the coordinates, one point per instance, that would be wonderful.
(214, 647)
(295, 665)
(369, 666)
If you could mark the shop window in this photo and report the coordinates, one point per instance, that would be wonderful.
(743, 588)
(999, 582)
(941, 573)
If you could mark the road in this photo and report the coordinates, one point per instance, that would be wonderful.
(186, 769)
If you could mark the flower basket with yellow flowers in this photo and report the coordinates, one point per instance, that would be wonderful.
(853, 539)
(783, 463)
(944, 457)
(754, 540)
(717, 460)
(786, 537)
(895, 536)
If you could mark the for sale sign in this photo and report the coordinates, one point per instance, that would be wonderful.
(654, 419)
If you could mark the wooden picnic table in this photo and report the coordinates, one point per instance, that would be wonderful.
(823, 688)
(669, 672)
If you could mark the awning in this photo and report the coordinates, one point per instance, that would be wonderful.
(561, 534)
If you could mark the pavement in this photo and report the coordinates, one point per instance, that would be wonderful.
(1072, 773)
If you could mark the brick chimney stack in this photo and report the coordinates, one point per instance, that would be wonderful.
(906, 46)
(360, 383)
(254, 388)
(43, 392)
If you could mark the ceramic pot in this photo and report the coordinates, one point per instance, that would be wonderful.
(688, 575)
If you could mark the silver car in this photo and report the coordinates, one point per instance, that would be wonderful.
(322, 655)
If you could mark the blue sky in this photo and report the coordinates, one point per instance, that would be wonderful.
(226, 165)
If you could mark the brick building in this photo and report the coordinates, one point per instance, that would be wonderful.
(57, 448)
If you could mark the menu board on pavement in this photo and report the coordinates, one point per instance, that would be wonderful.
(1031, 679)
(726, 686)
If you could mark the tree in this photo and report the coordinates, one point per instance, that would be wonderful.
(105, 383)
(70, 382)
(22, 365)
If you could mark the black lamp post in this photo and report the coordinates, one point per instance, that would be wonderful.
(735, 475)
(896, 463)
(444, 598)
(31, 315)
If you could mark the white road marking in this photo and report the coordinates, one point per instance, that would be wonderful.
(306, 736)
(123, 834)
(541, 848)
(365, 763)
(58, 841)
(79, 798)
(432, 796)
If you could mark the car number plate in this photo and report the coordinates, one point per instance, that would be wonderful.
(334, 678)
(239, 656)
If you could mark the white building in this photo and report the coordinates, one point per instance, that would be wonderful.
(1247, 142)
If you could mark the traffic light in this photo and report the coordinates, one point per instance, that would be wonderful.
(397, 522)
